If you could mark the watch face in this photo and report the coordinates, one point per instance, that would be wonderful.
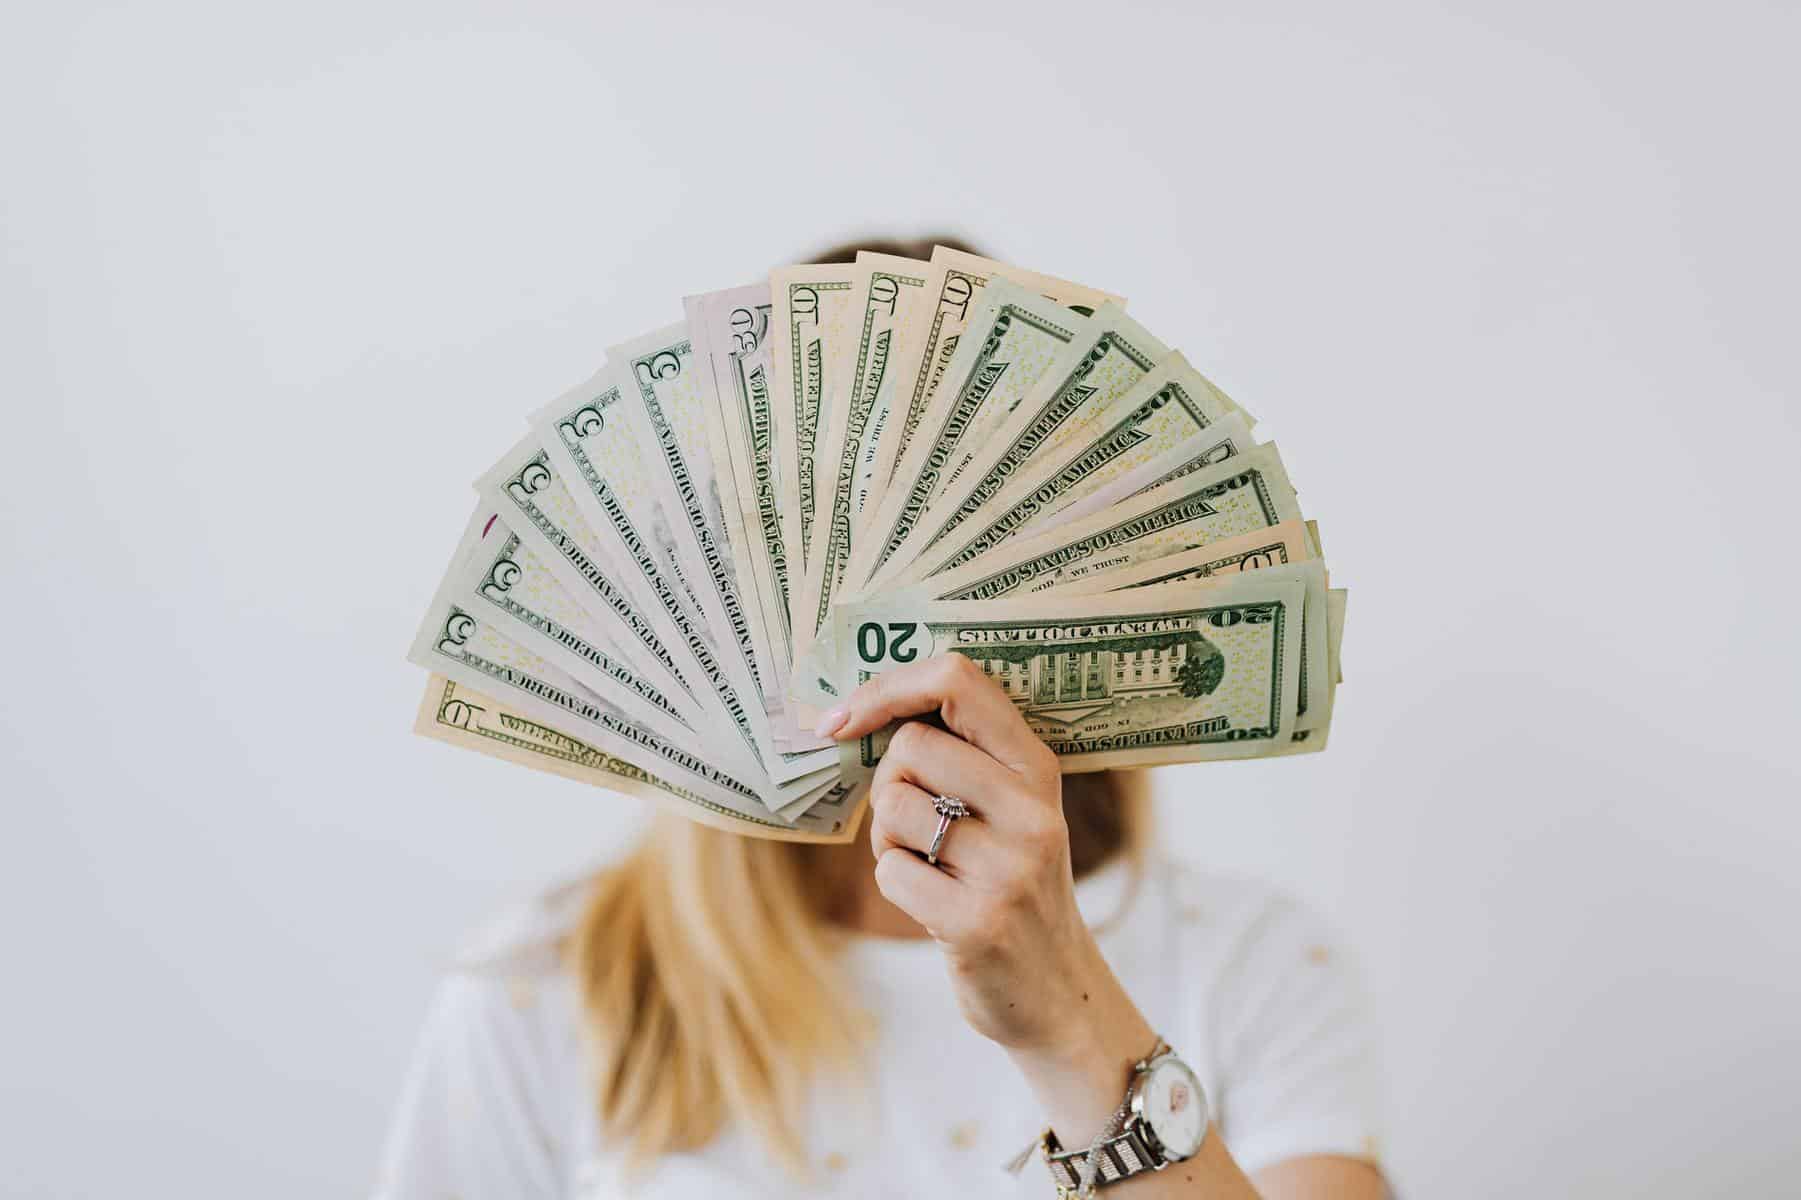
(1175, 1107)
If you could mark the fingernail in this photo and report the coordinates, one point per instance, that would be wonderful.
(831, 722)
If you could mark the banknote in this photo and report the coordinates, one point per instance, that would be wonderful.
(731, 331)
(745, 433)
(670, 390)
(1228, 436)
(1319, 547)
(1314, 677)
(1276, 546)
(1310, 741)
(1122, 679)
(596, 441)
(1310, 638)
(1284, 545)
(1335, 606)
(1012, 339)
(1163, 413)
(887, 291)
(624, 530)
(529, 487)
(500, 577)
(1113, 354)
(814, 312)
(952, 290)
(1021, 516)
(809, 480)
(529, 491)
(1247, 492)
(458, 642)
(874, 371)
(954, 278)
(457, 715)
(497, 576)
(667, 385)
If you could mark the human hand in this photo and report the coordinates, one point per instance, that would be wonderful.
(1027, 971)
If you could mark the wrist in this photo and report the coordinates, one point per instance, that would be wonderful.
(1080, 1077)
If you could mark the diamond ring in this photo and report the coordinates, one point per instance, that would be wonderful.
(949, 809)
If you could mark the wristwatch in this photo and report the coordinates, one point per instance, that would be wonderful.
(1166, 1121)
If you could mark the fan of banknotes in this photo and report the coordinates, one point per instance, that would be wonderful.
(851, 467)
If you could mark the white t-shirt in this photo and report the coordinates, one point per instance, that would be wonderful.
(1242, 982)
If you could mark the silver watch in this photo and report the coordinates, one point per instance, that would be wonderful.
(1166, 1122)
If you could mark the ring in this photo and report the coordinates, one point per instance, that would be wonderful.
(949, 809)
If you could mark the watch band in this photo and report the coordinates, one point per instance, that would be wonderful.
(1120, 1157)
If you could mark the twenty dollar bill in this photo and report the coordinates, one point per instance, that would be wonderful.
(1153, 675)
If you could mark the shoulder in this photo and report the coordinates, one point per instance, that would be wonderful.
(496, 1071)
(504, 996)
(1277, 1015)
(1259, 972)
(524, 936)
(1240, 956)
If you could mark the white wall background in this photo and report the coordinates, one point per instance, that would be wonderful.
(1516, 290)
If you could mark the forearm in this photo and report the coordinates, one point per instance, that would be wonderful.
(1079, 1084)
(1000, 898)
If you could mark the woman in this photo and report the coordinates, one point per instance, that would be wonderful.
(696, 1021)
(720, 1016)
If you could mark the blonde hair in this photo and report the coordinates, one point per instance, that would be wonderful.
(707, 967)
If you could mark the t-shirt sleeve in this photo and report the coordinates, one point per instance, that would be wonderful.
(1297, 1045)
(471, 1122)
